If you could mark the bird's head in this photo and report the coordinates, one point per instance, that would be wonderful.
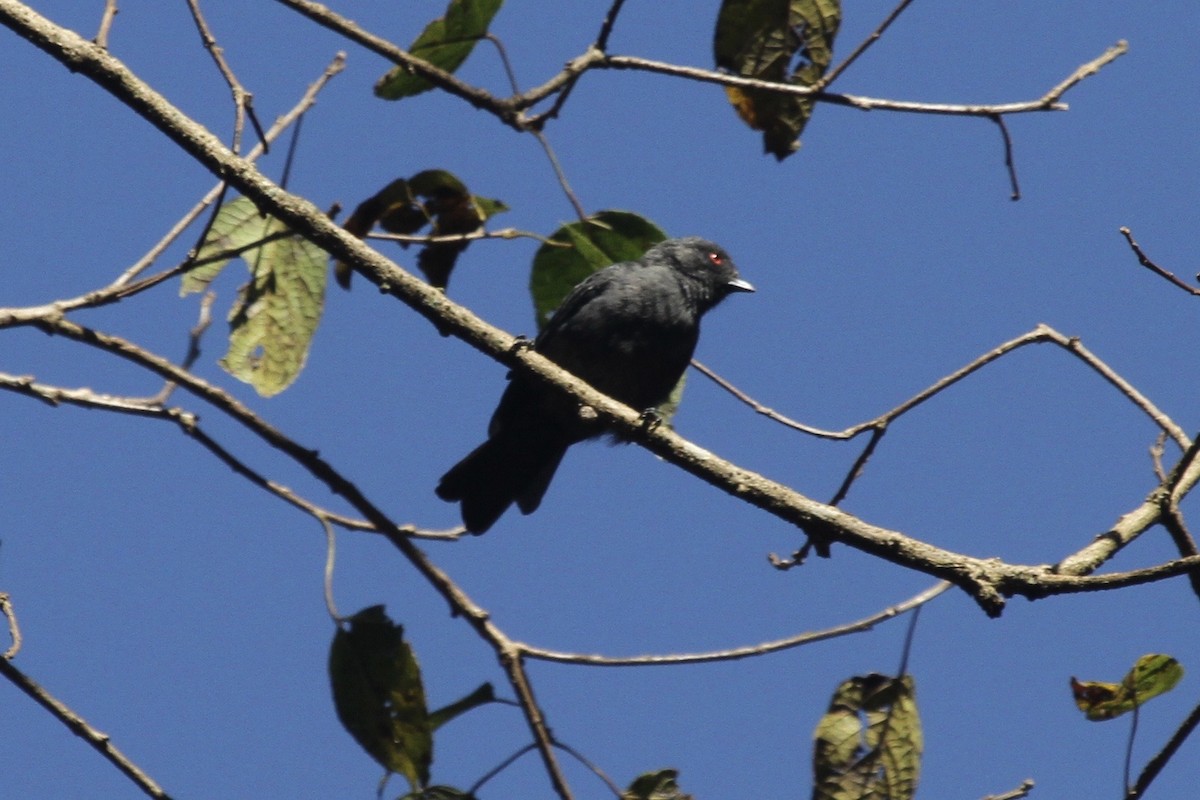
(701, 261)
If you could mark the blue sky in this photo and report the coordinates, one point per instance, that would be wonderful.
(179, 609)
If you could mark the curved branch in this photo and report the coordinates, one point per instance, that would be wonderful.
(732, 654)
(510, 110)
(188, 423)
(1041, 334)
(1050, 101)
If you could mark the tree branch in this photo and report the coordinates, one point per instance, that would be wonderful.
(1145, 261)
(99, 741)
(1039, 335)
(509, 111)
(732, 654)
(189, 424)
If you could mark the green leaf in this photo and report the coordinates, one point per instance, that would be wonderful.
(237, 224)
(869, 743)
(1151, 675)
(659, 785)
(278, 311)
(439, 793)
(379, 697)
(445, 43)
(433, 198)
(761, 39)
(606, 238)
(482, 696)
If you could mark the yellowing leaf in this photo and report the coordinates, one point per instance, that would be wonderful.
(1150, 676)
(761, 39)
(743, 104)
(869, 743)
(278, 311)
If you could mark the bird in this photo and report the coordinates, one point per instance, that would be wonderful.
(629, 330)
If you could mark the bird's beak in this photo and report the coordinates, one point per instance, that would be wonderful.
(739, 285)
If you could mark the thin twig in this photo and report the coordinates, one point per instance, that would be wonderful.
(330, 556)
(243, 101)
(1059, 582)
(116, 291)
(860, 463)
(834, 73)
(1185, 544)
(502, 52)
(1047, 102)
(537, 122)
(1158, 449)
(1039, 335)
(513, 662)
(595, 770)
(772, 414)
(1145, 261)
(910, 636)
(101, 742)
(560, 175)
(1075, 347)
(538, 133)
(290, 160)
(606, 27)
(14, 630)
(1155, 765)
(193, 349)
(282, 124)
(1016, 794)
(448, 238)
(1086, 71)
(732, 654)
(504, 764)
(574, 72)
(1009, 163)
(197, 332)
(188, 422)
(106, 21)
(1127, 770)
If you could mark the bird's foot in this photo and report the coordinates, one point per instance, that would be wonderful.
(650, 419)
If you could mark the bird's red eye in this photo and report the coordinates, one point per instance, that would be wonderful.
(716, 258)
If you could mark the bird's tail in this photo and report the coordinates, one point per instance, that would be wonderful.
(503, 470)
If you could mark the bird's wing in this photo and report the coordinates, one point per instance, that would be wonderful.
(593, 286)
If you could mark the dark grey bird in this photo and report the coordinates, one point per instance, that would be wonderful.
(629, 330)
